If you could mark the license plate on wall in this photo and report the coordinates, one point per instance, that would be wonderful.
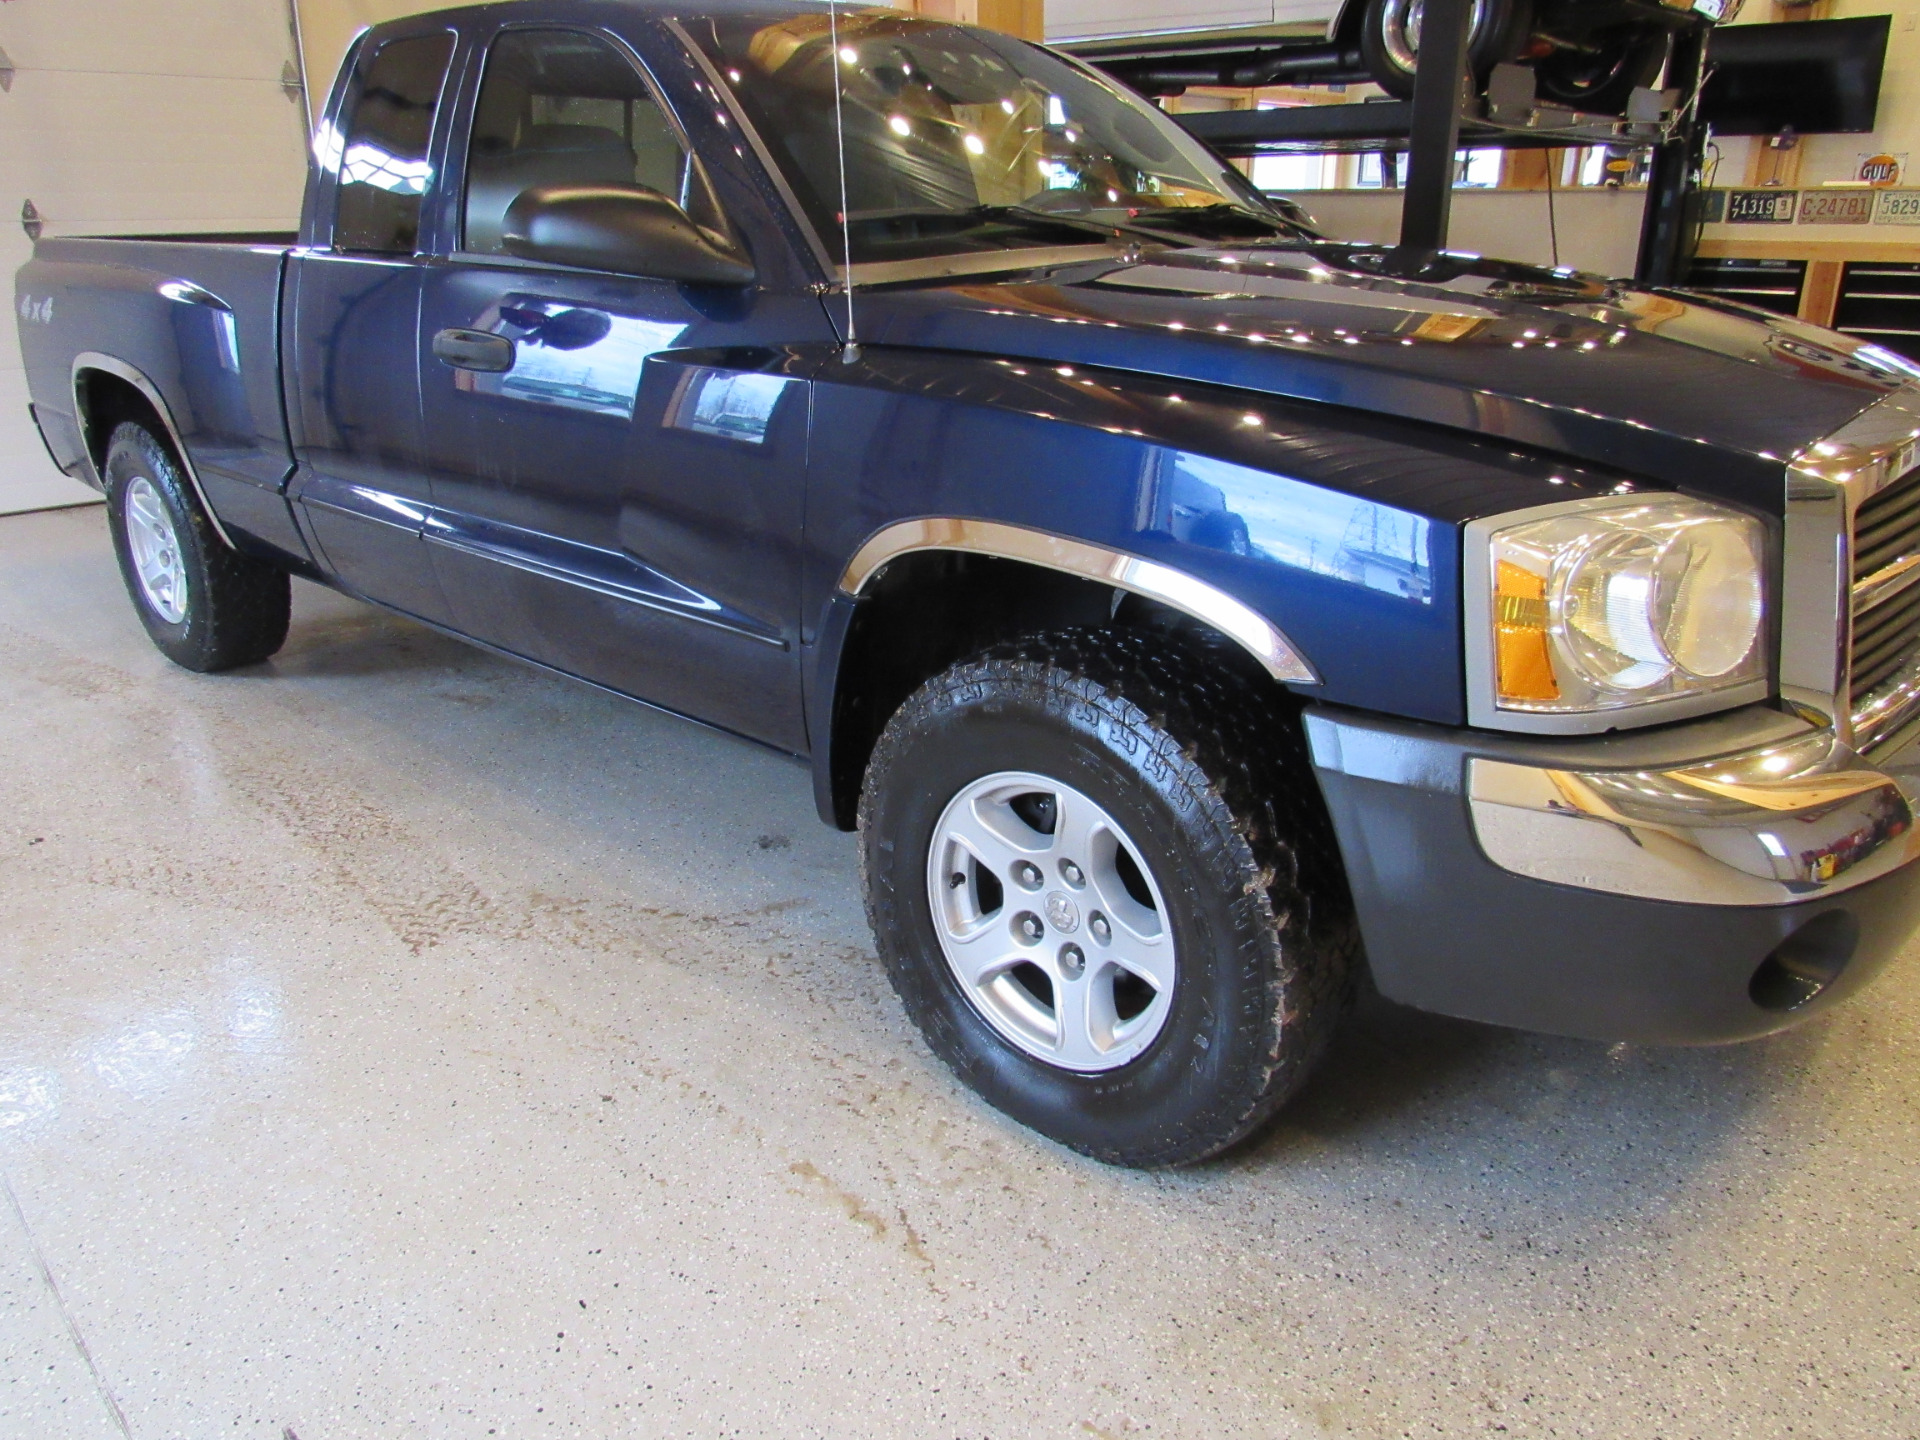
(1842, 207)
(1898, 207)
(1761, 207)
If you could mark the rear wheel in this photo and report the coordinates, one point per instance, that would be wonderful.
(1100, 875)
(1390, 39)
(205, 605)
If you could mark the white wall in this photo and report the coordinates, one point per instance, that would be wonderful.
(1599, 230)
(129, 116)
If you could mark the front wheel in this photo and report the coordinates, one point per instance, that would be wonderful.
(1390, 39)
(206, 606)
(1105, 889)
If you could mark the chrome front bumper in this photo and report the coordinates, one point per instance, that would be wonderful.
(1776, 824)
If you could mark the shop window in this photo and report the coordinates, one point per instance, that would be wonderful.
(1285, 173)
(1478, 169)
(1371, 173)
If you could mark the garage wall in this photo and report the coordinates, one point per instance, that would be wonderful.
(124, 117)
(1828, 158)
(1597, 230)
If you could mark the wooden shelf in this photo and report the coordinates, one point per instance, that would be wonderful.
(1763, 247)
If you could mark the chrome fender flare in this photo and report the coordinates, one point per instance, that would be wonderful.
(1176, 589)
(93, 360)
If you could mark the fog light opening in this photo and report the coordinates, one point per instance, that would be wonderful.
(1806, 962)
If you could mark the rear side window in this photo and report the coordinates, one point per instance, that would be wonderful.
(558, 107)
(382, 158)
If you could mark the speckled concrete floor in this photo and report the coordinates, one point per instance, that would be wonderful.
(397, 1042)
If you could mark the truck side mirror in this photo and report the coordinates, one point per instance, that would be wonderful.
(628, 229)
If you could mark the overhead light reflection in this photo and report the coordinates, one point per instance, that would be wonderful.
(146, 1054)
(27, 1094)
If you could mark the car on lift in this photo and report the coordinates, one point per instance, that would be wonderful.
(1585, 55)
(1588, 55)
(1199, 620)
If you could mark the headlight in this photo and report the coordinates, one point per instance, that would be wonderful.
(1653, 604)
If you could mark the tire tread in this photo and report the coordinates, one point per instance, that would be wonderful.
(245, 602)
(1225, 748)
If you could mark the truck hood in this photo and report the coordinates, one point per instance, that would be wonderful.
(1657, 384)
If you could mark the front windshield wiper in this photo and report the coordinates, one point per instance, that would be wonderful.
(1108, 229)
(1209, 217)
(1175, 227)
(1019, 216)
(1162, 226)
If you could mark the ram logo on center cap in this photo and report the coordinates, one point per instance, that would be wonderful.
(1062, 912)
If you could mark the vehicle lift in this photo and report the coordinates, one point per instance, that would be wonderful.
(1446, 112)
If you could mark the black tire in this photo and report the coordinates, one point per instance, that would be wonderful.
(1600, 79)
(1500, 31)
(233, 608)
(1204, 767)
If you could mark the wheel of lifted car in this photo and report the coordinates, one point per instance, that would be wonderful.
(206, 606)
(1601, 75)
(1390, 39)
(1103, 883)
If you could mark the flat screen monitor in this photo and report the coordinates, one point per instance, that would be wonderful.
(1814, 77)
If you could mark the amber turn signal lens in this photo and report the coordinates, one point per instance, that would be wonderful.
(1520, 627)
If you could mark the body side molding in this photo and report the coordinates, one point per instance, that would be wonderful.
(1253, 631)
(93, 360)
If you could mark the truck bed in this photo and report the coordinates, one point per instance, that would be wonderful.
(190, 321)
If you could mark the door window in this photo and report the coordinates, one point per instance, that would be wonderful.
(382, 161)
(559, 107)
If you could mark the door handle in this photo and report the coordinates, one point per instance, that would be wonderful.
(474, 350)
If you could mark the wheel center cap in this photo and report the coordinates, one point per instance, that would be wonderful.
(1062, 912)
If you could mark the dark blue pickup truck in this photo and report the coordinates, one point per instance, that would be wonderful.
(1199, 619)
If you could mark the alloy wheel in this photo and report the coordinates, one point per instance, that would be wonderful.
(156, 551)
(1051, 921)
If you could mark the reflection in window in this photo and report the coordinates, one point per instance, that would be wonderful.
(1223, 506)
(729, 404)
(370, 165)
(942, 120)
(570, 357)
(364, 164)
(382, 159)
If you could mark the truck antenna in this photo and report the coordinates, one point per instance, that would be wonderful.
(850, 352)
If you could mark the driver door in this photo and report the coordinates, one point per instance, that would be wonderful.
(594, 507)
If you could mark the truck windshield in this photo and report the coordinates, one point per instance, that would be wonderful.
(959, 139)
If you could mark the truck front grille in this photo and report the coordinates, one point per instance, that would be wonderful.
(1886, 624)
